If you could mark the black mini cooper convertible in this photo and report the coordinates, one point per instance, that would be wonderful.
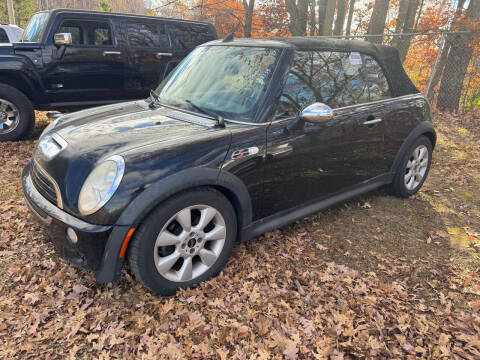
(244, 136)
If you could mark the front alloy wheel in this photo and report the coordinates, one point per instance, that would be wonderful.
(187, 239)
(189, 243)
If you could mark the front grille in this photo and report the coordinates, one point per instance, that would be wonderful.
(43, 184)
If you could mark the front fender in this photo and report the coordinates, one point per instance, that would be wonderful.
(20, 73)
(150, 198)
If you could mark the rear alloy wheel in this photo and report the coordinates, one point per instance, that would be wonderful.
(185, 241)
(413, 170)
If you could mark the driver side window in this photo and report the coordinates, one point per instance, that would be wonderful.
(296, 95)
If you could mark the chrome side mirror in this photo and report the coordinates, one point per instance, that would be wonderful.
(317, 113)
(62, 39)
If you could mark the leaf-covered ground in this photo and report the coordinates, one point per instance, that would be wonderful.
(374, 277)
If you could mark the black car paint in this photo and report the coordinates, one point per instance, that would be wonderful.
(165, 154)
(88, 76)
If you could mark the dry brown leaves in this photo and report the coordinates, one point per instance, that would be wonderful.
(360, 280)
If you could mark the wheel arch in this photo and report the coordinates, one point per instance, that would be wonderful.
(18, 82)
(426, 129)
(228, 184)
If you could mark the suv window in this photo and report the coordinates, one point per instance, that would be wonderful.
(335, 78)
(3, 36)
(187, 36)
(74, 29)
(147, 35)
(87, 32)
(101, 35)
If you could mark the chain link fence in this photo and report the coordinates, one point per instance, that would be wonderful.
(445, 66)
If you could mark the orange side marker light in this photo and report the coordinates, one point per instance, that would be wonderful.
(123, 250)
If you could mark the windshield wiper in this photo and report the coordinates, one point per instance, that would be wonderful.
(217, 117)
(153, 99)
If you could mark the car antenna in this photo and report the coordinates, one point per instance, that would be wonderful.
(229, 37)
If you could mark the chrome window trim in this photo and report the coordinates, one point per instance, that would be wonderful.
(360, 104)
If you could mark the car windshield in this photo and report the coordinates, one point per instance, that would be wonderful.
(227, 80)
(35, 27)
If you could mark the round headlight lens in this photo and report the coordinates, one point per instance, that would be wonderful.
(100, 185)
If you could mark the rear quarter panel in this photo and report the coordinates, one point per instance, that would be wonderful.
(404, 114)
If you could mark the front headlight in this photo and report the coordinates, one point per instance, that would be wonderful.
(100, 185)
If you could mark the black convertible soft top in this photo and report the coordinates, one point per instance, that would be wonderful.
(387, 56)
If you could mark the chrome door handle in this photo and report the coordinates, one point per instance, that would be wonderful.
(162, 54)
(373, 121)
(105, 53)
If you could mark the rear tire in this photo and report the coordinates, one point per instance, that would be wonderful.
(186, 240)
(17, 117)
(413, 169)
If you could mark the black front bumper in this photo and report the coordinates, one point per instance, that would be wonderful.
(91, 250)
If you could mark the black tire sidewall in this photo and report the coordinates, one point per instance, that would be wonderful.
(25, 109)
(399, 184)
(149, 230)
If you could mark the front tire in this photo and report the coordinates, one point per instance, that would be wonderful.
(186, 240)
(17, 116)
(413, 169)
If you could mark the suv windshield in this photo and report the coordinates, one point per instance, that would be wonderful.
(35, 27)
(227, 80)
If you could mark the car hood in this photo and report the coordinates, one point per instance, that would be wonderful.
(116, 129)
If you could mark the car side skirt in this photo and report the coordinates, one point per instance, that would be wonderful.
(289, 216)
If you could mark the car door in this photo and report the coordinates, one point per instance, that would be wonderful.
(91, 69)
(150, 52)
(306, 162)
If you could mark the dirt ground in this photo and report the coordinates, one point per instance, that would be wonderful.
(374, 277)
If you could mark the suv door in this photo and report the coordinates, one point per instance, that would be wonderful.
(307, 162)
(149, 54)
(90, 70)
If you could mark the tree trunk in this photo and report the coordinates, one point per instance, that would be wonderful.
(322, 11)
(351, 7)
(298, 10)
(247, 27)
(402, 15)
(329, 14)
(456, 67)
(437, 75)
(338, 29)
(313, 18)
(402, 43)
(377, 22)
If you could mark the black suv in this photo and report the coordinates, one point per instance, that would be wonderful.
(242, 137)
(72, 59)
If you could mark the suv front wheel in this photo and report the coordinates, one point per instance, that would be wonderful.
(17, 116)
(187, 239)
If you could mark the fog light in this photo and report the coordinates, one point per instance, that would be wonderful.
(72, 236)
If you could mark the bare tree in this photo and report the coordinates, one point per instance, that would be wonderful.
(340, 20)
(351, 8)
(313, 19)
(248, 6)
(456, 66)
(405, 25)
(298, 11)
(377, 21)
(328, 17)
(437, 75)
